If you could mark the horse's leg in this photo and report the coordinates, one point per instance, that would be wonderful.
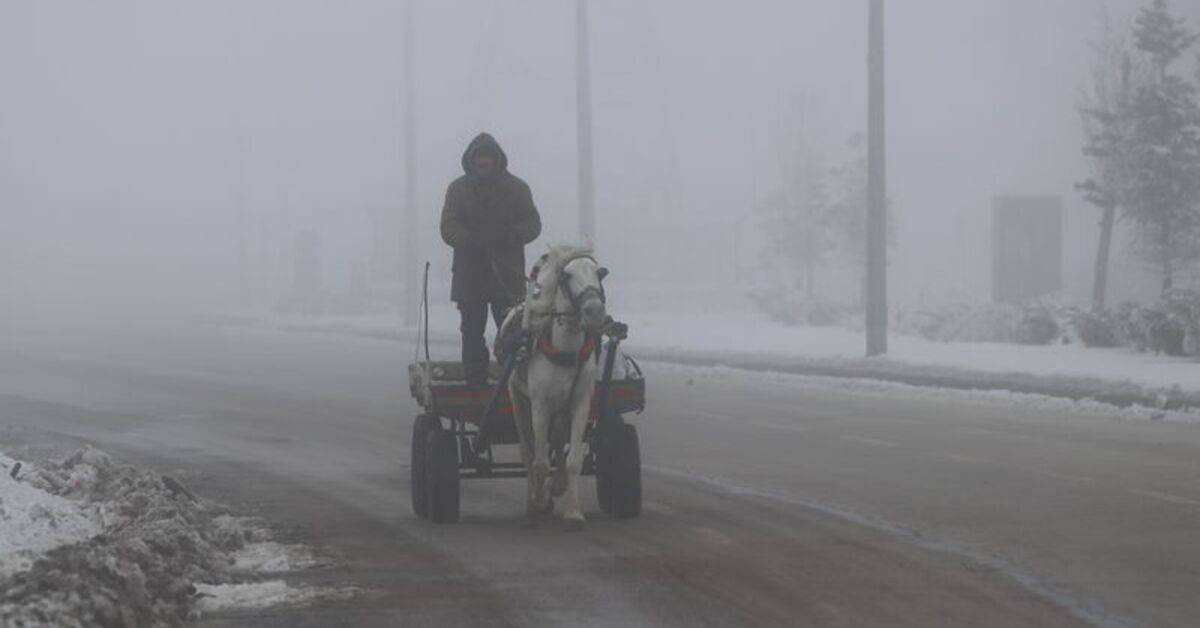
(542, 413)
(558, 484)
(559, 436)
(580, 410)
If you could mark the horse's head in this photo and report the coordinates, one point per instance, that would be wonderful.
(582, 283)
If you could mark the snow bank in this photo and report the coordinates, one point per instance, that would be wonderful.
(753, 334)
(889, 390)
(88, 542)
(257, 595)
(33, 522)
(157, 539)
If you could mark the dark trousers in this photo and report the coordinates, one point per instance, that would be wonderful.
(475, 355)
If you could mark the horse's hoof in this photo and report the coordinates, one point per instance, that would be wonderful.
(534, 512)
(572, 525)
(558, 485)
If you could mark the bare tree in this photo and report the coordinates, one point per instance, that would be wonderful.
(1105, 106)
(847, 211)
(797, 231)
(796, 235)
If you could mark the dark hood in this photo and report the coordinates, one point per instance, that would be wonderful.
(481, 140)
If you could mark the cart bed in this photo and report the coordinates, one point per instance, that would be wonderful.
(443, 391)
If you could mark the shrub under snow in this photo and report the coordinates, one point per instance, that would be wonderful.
(797, 310)
(1170, 326)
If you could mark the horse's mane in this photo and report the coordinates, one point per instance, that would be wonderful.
(541, 304)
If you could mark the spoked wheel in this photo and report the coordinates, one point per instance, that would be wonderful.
(619, 472)
(419, 489)
(441, 475)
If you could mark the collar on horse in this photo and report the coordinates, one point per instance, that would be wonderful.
(569, 358)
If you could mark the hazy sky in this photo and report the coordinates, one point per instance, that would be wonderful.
(131, 132)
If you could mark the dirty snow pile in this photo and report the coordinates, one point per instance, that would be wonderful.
(33, 522)
(88, 542)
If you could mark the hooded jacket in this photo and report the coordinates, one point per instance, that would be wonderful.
(488, 221)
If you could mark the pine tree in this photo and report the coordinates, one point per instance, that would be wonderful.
(1162, 36)
(1160, 193)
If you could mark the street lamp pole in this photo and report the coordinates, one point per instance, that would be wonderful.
(411, 285)
(587, 210)
(877, 190)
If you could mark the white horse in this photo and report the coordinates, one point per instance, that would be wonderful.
(552, 392)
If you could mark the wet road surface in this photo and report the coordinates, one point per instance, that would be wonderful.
(769, 500)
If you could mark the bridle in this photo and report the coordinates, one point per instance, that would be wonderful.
(573, 319)
(578, 299)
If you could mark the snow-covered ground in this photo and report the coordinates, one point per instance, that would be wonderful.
(744, 333)
(892, 390)
(750, 332)
(86, 541)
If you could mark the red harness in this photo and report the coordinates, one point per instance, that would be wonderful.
(568, 358)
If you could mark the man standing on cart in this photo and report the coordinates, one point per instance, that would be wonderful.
(488, 219)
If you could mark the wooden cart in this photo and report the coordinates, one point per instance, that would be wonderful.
(449, 444)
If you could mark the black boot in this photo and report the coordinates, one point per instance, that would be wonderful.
(474, 347)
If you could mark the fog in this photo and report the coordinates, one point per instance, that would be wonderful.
(141, 141)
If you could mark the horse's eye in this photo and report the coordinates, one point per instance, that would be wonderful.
(602, 272)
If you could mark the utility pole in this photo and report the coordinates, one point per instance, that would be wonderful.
(587, 210)
(411, 284)
(877, 318)
(245, 294)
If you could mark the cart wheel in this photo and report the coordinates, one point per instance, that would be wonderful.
(603, 461)
(441, 469)
(417, 470)
(604, 441)
(625, 473)
(603, 490)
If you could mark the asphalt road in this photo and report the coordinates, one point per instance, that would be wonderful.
(769, 500)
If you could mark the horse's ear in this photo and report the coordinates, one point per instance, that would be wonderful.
(602, 272)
